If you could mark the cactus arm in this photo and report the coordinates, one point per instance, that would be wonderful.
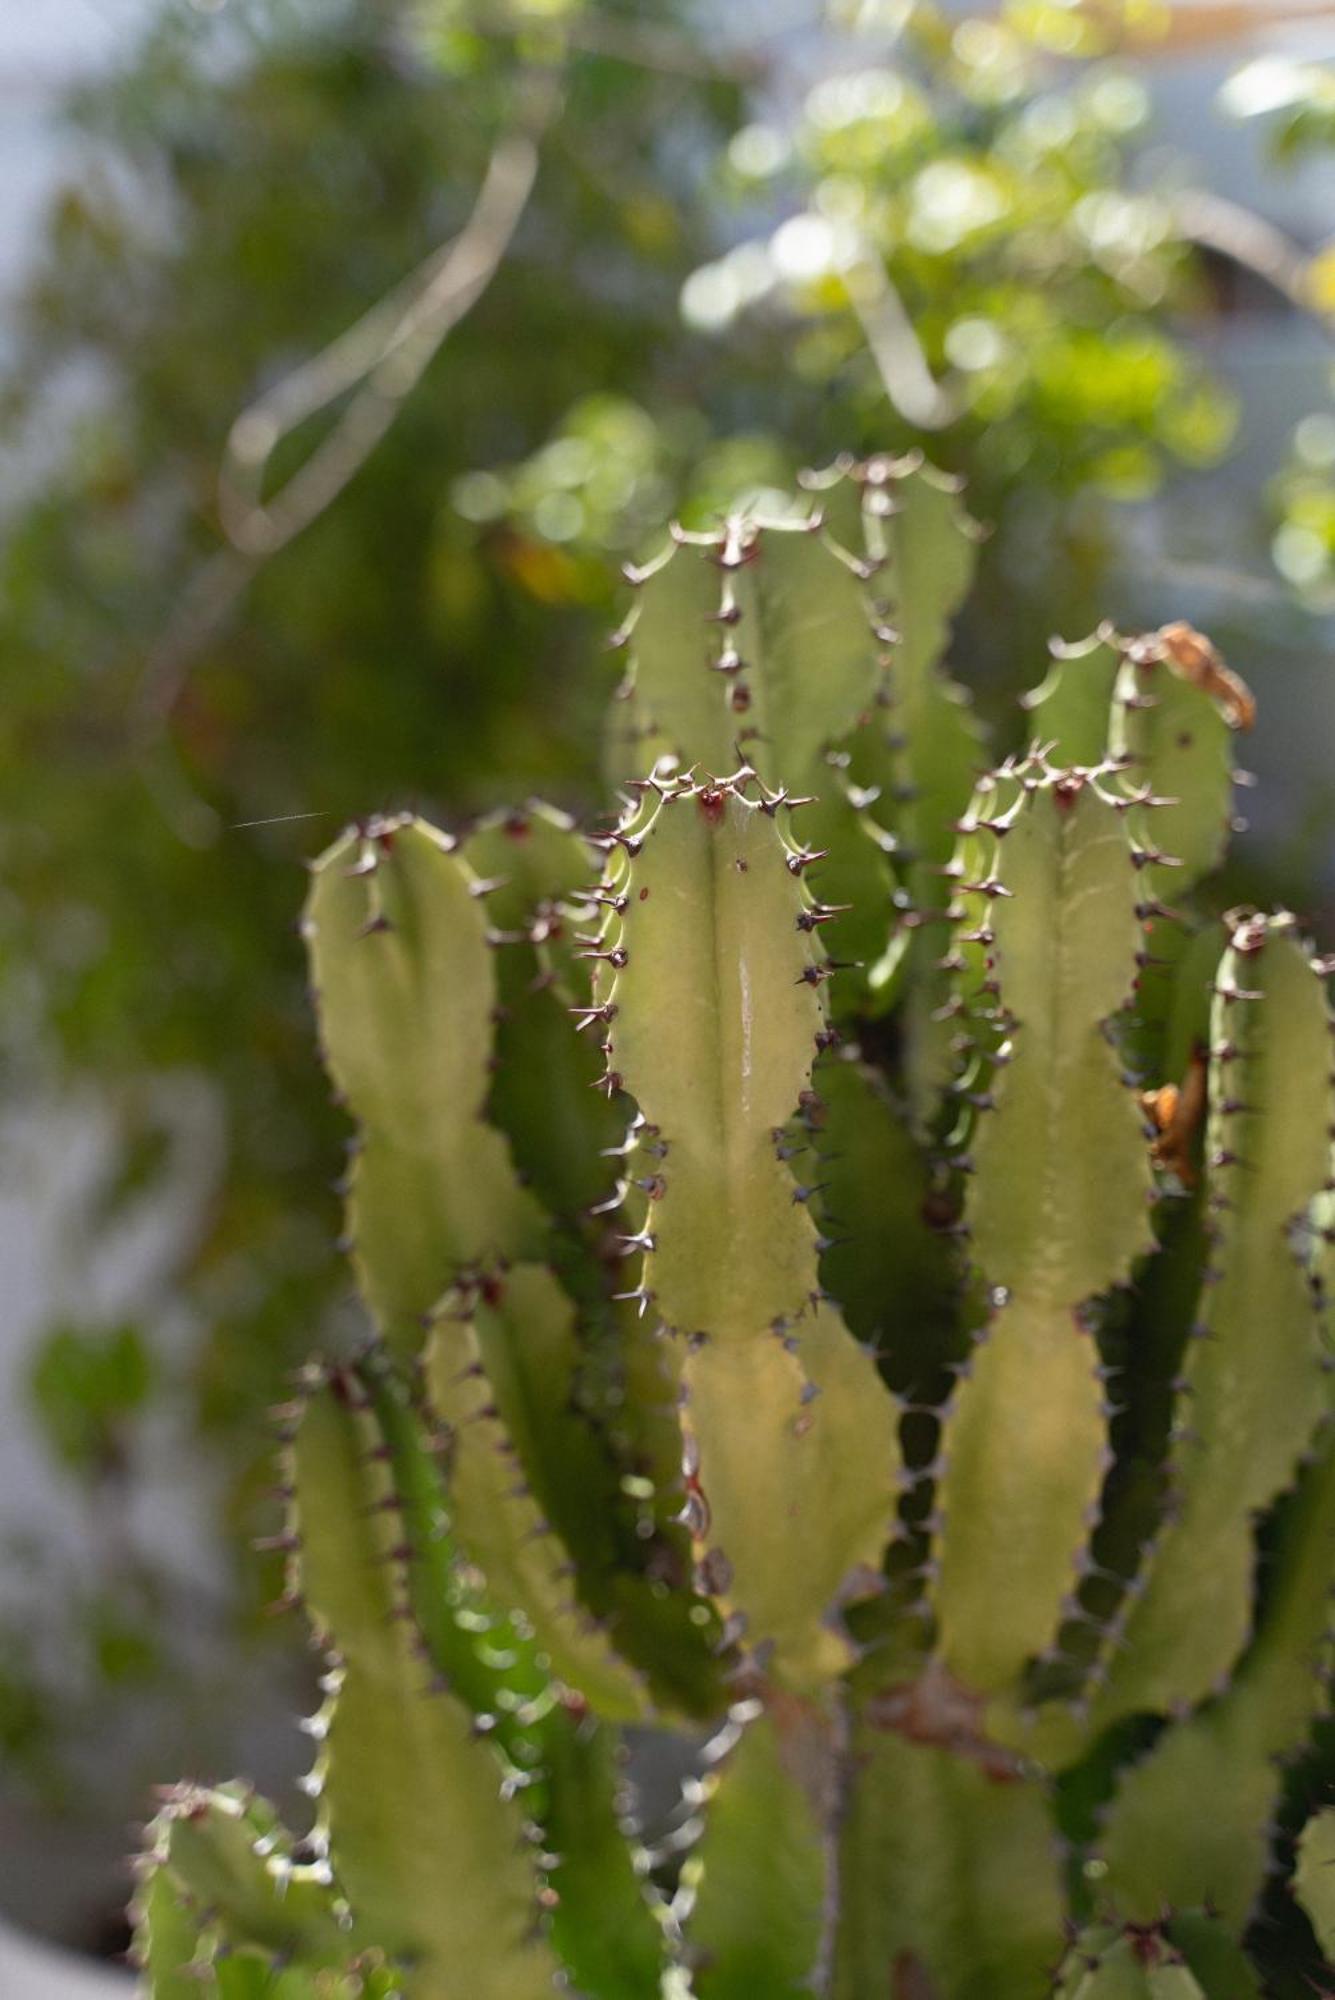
(228, 1853)
(563, 1131)
(1216, 1962)
(758, 636)
(946, 1871)
(1058, 1209)
(757, 1885)
(920, 547)
(713, 1026)
(931, 549)
(502, 1526)
(713, 1019)
(907, 523)
(405, 986)
(798, 1456)
(922, 756)
(759, 643)
(227, 1911)
(1104, 1964)
(1193, 1823)
(1176, 738)
(1314, 1880)
(604, 1927)
(171, 1946)
(1250, 1405)
(473, 1642)
(1070, 711)
(411, 1796)
(947, 756)
(528, 1344)
(667, 699)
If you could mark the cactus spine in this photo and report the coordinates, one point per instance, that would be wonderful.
(846, 1260)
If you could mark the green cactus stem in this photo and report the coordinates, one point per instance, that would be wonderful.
(888, 1343)
(759, 1886)
(405, 984)
(713, 1016)
(949, 1868)
(1107, 1964)
(1050, 888)
(1314, 1881)
(410, 1794)
(1248, 1408)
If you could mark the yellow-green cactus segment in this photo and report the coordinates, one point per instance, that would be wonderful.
(607, 1930)
(917, 521)
(1175, 735)
(405, 987)
(482, 1651)
(1107, 1964)
(1314, 1880)
(230, 1860)
(1213, 1955)
(410, 1795)
(907, 522)
(796, 1450)
(920, 547)
(712, 1022)
(1070, 711)
(712, 1029)
(1250, 1402)
(1058, 1208)
(1193, 1824)
(172, 1947)
(758, 643)
(248, 1975)
(501, 1526)
(949, 1876)
(530, 1348)
(758, 636)
(757, 1887)
(603, 1928)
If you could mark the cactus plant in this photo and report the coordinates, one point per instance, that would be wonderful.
(848, 1275)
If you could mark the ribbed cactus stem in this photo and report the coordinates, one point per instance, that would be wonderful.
(853, 1277)
(1047, 907)
(713, 1017)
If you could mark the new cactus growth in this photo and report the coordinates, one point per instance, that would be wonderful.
(847, 1251)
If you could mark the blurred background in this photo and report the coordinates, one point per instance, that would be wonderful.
(347, 348)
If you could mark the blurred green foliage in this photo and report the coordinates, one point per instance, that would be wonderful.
(87, 1385)
(245, 188)
(1296, 101)
(684, 314)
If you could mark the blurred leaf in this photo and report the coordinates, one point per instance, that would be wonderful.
(85, 1386)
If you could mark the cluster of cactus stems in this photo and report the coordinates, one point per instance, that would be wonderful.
(847, 1269)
